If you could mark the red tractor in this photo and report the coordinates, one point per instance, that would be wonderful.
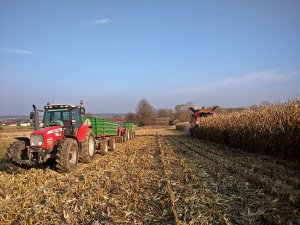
(122, 131)
(126, 130)
(200, 113)
(63, 138)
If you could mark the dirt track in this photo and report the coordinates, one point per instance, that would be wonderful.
(161, 177)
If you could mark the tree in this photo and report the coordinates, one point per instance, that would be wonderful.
(165, 113)
(182, 111)
(130, 117)
(145, 113)
(164, 116)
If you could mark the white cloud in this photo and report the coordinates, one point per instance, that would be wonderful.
(259, 77)
(235, 91)
(102, 21)
(97, 22)
(263, 77)
(16, 51)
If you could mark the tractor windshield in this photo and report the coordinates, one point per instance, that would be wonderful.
(68, 118)
(54, 117)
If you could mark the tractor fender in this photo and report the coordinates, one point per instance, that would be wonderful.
(82, 132)
(25, 139)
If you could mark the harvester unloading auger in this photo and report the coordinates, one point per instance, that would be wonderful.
(197, 115)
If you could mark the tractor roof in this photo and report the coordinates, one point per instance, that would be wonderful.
(60, 106)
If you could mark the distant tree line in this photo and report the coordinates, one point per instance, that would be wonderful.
(145, 114)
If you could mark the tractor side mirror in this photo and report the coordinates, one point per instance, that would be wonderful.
(32, 115)
(82, 110)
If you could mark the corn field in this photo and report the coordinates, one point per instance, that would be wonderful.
(272, 130)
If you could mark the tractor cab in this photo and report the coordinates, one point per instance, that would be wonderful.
(67, 116)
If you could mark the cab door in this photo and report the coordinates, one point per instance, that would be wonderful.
(76, 120)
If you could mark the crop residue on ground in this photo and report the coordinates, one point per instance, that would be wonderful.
(161, 177)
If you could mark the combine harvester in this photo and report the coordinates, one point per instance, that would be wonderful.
(197, 115)
(67, 136)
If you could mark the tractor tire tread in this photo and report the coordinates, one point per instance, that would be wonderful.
(62, 160)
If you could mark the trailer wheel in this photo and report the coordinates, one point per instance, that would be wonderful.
(112, 144)
(67, 155)
(103, 147)
(128, 136)
(124, 138)
(88, 147)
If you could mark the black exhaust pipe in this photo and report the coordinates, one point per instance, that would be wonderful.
(34, 115)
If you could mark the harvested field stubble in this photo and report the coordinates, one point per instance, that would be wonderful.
(163, 178)
(124, 187)
(272, 130)
(262, 190)
(184, 126)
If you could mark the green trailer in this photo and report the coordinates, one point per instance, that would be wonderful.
(102, 127)
(106, 132)
(130, 126)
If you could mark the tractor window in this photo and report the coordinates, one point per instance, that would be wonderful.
(55, 116)
(76, 119)
(65, 115)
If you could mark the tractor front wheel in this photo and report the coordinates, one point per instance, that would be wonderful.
(17, 151)
(67, 155)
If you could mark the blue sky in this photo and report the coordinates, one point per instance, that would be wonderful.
(111, 54)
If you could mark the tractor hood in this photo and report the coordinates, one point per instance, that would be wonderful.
(48, 130)
(49, 136)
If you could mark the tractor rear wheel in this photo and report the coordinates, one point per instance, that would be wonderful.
(88, 147)
(67, 155)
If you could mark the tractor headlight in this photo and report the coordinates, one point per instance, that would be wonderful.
(36, 140)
